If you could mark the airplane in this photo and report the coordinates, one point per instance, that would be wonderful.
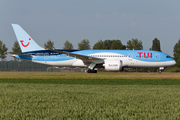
(110, 60)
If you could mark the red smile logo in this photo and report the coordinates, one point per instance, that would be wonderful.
(23, 43)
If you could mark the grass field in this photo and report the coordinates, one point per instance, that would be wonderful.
(89, 96)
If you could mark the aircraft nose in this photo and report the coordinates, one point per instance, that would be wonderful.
(170, 63)
(174, 62)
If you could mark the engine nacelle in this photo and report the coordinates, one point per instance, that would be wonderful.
(113, 65)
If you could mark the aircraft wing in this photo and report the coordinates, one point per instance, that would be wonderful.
(86, 59)
(15, 53)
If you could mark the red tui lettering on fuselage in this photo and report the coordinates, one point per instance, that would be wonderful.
(146, 55)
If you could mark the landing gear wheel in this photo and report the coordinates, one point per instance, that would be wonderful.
(91, 71)
(94, 71)
(159, 71)
(88, 71)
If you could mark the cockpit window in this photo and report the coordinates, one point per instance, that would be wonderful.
(168, 56)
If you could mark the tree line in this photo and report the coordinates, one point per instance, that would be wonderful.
(133, 44)
(115, 44)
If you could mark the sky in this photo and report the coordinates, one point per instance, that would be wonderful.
(75, 20)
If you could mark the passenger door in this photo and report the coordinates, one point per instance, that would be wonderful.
(157, 57)
(130, 56)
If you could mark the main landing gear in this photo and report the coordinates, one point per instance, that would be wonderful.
(91, 68)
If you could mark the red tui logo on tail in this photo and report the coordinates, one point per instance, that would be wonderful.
(23, 43)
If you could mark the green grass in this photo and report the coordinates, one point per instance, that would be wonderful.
(96, 81)
(56, 101)
(125, 96)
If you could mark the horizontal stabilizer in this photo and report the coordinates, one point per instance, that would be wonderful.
(15, 53)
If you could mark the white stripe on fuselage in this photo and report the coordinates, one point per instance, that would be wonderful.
(126, 62)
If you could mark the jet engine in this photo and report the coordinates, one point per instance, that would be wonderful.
(113, 65)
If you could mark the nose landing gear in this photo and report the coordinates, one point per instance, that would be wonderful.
(160, 70)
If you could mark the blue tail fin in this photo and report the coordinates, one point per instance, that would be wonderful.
(25, 41)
